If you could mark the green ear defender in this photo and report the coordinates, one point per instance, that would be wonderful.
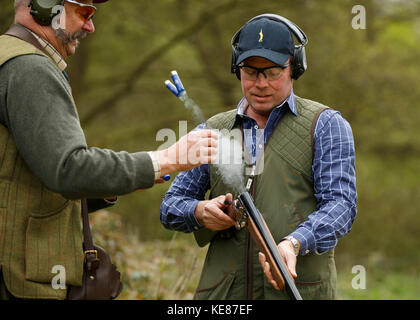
(44, 11)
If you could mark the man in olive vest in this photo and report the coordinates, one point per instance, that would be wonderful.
(46, 166)
(302, 178)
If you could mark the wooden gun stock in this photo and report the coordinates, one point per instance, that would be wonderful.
(262, 235)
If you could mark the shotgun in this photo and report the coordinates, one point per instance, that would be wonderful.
(262, 235)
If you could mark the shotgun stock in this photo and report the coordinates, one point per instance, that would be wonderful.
(262, 235)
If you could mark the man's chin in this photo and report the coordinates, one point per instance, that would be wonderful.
(262, 107)
(71, 47)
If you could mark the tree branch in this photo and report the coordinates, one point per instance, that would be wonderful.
(205, 17)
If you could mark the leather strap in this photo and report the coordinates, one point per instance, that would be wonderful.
(91, 254)
(87, 235)
(19, 31)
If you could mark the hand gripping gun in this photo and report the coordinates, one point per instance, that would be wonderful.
(262, 235)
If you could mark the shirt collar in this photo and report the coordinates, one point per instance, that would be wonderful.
(57, 58)
(290, 102)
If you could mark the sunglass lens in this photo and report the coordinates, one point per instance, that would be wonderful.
(86, 12)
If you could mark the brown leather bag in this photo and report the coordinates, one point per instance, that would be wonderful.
(101, 279)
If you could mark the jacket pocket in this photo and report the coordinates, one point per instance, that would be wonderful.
(47, 203)
(218, 291)
(52, 241)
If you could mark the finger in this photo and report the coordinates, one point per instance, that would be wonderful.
(230, 209)
(208, 133)
(226, 219)
(267, 272)
(212, 142)
(269, 276)
(220, 201)
(291, 265)
(229, 198)
(266, 268)
(200, 154)
(216, 214)
(274, 284)
(205, 144)
(205, 152)
(261, 258)
(289, 257)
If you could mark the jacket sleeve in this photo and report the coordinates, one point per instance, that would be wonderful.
(43, 120)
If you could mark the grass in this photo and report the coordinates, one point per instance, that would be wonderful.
(170, 270)
(153, 269)
(380, 285)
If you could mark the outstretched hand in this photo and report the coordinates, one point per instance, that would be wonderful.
(192, 150)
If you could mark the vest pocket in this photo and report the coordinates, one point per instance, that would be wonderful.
(219, 291)
(310, 290)
(55, 243)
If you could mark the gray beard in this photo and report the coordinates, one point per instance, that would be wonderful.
(67, 37)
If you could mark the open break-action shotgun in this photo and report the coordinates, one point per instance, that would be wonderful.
(262, 235)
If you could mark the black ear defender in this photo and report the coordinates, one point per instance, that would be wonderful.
(43, 10)
(299, 64)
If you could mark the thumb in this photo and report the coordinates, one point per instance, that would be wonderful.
(291, 264)
(228, 199)
(289, 258)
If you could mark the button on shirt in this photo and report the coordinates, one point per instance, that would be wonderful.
(333, 171)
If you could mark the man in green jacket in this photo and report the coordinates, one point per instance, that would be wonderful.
(46, 166)
(301, 176)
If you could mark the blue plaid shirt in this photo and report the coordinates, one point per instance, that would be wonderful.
(333, 171)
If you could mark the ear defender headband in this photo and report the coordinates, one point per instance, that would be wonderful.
(42, 10)
(298, 64)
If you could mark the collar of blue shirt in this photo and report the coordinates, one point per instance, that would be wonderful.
(290, 102)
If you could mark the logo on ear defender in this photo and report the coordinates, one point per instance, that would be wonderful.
(261, 36)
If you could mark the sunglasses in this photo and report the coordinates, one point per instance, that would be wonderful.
(86, 11)
(270, 73)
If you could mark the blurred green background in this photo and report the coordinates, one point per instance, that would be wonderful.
(370, 75)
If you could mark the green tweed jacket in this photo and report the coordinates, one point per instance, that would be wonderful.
(45, 168)
(39, 229)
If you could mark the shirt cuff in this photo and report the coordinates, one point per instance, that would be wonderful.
(190, 218)
(306, 239)
(156, 165)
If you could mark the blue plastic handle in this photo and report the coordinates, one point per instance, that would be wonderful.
(166, 177)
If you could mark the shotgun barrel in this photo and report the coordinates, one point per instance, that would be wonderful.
(264, 236)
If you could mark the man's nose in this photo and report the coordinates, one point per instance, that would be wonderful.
(89, 27)
(261, 80)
